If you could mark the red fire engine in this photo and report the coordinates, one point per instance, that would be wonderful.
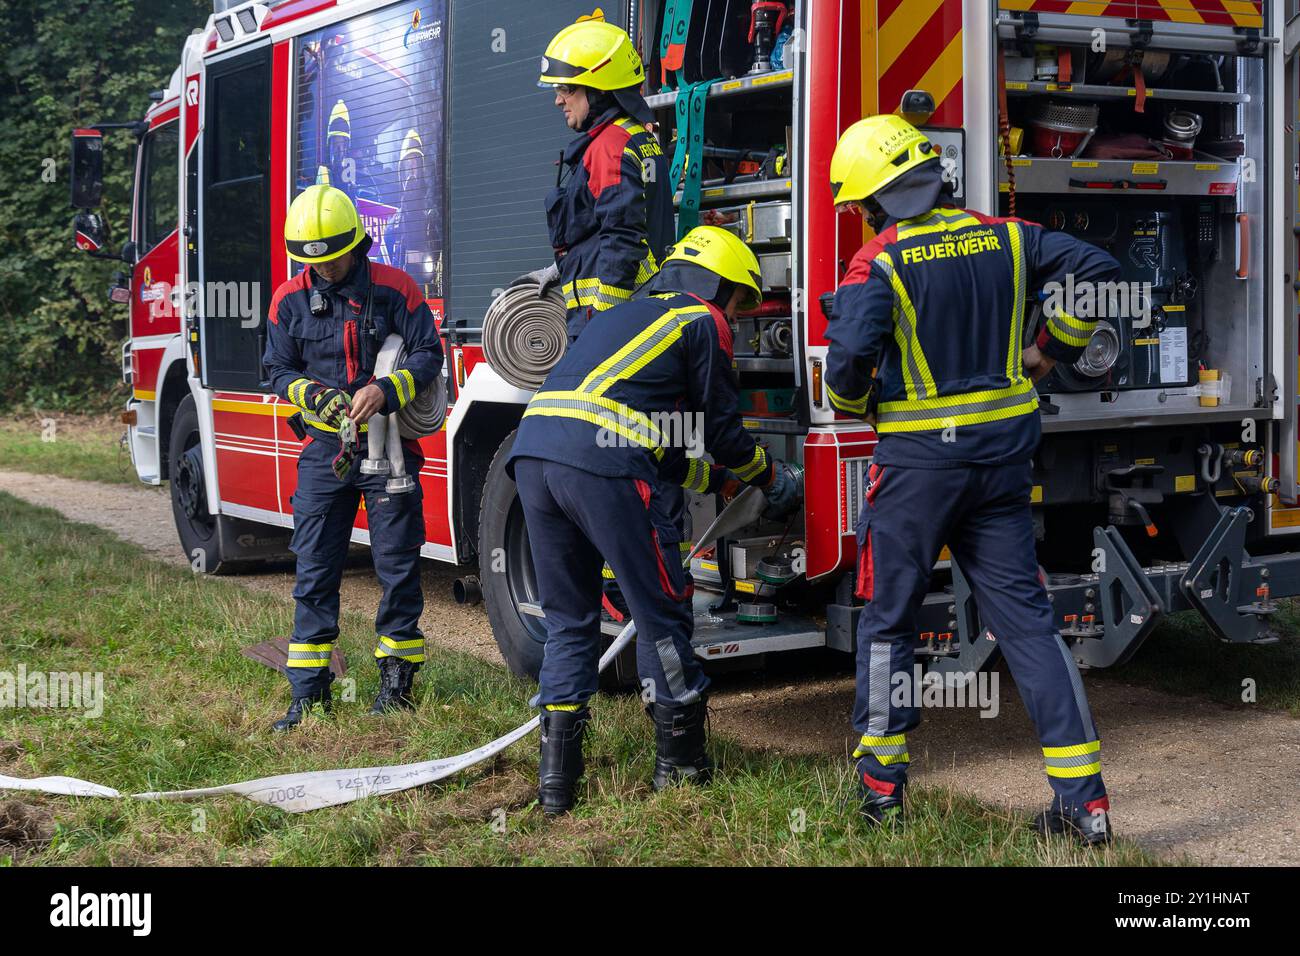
(1167, 476)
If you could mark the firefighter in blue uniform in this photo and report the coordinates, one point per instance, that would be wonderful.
(611, 216)
(936, 302)
(591, 460)
(323, 335)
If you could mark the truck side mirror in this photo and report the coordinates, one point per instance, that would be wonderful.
(89, 229)
(87, 168)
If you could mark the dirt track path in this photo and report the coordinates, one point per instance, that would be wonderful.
(1188, 777)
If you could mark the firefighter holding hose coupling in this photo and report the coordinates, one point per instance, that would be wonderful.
(611, 214)
(323, 336)
(936, 302)
(591, 462)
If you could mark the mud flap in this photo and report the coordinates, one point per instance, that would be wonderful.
(1216, 579)
(1130, 606)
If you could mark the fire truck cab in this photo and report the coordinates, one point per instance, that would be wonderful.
(1166, 480)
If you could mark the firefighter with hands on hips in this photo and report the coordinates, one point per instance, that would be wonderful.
(611, 215)
(936, 300)
(591, 465)
(325, 327)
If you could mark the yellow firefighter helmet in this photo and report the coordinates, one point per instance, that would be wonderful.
(725, 254)
(340, 121)
(874, 152)
(592, 53)
(322, 224)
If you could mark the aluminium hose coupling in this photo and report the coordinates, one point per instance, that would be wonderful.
(422, 416)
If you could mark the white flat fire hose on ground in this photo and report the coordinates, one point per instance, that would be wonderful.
(299, 792)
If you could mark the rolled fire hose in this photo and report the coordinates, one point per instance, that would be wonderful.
(300, 792)
(418, 418)
(524, 335)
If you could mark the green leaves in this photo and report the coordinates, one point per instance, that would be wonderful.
(70, 65)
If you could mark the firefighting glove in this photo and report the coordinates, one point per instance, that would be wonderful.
(784, 494)
(330, 405)
(542, 278)
(348, 448)
(728, 484)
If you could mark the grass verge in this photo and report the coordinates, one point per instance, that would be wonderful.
(182, 708)
(71, 446)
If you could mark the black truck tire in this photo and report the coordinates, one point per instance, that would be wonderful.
(506, 570)
(213, 544)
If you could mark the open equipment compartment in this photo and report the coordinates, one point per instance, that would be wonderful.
(1146, 140)
(745, 181)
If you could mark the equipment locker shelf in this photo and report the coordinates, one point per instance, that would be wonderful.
(1206, 176)
(1095, 91)
(778, 79)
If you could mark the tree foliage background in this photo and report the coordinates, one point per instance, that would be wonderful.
(67, 64)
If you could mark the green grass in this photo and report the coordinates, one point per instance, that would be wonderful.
(1184, 657)
(70, 446)
(183, 708)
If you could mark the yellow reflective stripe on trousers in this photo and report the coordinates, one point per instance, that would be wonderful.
(621, 419)
(886, 750)
(411, 650)
(567, 708)
(1071, 331)
(971, 408)
(1077, 760)
(309, 655)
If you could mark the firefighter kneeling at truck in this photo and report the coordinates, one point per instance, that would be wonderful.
(323, 336)
(590, 461)
(611, 216)
(937, 300)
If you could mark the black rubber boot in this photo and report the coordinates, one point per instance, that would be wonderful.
(561, 764)
(299, 707)
(395, 679)
(1090, 828)
(880, 810)
(680, 739)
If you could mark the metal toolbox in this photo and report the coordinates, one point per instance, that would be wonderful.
(756, 223)
(774, 268)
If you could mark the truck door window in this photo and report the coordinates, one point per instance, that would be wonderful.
(234, 247)
(158, 210)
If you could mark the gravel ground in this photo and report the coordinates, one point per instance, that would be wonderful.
(1189, 779)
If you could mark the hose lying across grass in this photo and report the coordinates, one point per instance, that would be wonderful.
(300, 792)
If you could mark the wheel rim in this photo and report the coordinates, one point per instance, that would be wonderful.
(187, 483)
(521, 579)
